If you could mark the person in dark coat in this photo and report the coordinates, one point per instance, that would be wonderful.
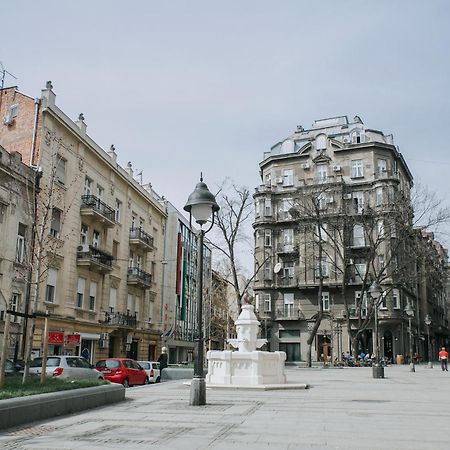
(162, 360)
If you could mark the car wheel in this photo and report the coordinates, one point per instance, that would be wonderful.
(146, 381)
(125, 383)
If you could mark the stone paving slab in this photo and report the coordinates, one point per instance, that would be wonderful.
(343, 409)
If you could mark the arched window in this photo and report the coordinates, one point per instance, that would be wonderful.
(321, 142)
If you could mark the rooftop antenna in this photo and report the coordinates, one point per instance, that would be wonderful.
(3, 72)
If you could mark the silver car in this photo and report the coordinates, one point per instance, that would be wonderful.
(66, 367)
(152, 370)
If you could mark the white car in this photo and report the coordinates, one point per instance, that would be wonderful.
(152, 370)
(67, 367)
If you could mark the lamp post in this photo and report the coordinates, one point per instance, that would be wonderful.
(410, 313)
(375, 292)
(201, 205)
(428, 324)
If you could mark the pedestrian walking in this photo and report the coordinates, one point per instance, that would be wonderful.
(443, 357)
(162, 361)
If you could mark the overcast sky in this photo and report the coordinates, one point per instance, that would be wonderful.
(181, 87)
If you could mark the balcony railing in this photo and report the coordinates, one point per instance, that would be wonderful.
(287, 281)
(97, 206)
(139, 237)
(94, 257)
(139, 277)
(288, 312)
(287, 248)
(116, 318)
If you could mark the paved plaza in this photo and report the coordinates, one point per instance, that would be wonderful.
(343, 409)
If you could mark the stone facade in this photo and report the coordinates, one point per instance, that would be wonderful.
(101, 236)
(333, 205)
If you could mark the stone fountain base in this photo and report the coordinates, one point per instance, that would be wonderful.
(227, 368)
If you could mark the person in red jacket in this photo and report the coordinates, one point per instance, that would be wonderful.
(443, 357)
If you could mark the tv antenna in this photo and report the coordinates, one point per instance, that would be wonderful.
(3, 73)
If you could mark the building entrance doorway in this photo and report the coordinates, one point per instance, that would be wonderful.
(387, 346)
(324, 350)
(292, 351)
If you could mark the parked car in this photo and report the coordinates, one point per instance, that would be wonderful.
(66, 367)
(10, 368)
(125, 371)
(152, 369)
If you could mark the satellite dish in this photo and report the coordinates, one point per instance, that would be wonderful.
(277, 268)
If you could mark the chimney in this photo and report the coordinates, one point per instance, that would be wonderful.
(48, 96)
(112, 153)
(129, 169)
(81, 125)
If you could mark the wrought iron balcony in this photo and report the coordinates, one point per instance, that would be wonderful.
(97, 209)
(288, 312)
(138, 277)
(116, 318)
(141, 239)
(287, 248)
(94, 258)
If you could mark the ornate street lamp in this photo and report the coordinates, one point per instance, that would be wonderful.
(410, 313)
(376, 292)
(201, 205)
(430, 351)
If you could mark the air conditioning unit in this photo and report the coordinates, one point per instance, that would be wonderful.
(8, 119)
(305, 166)
(83, 248)
(280, 180)
(347, 196)
(337, 168)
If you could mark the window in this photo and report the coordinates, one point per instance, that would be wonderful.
(380, 228)
(322, 173)
(381, 167)
(267, 303)
(379, 196)
(268, 238)
(15, 303)
(83, 234)
(113, 298)
(361, 304)
(87, 186)
(267, 207)
(289, 334)
(360, 268)
(3, 207)
(358, 201)
(20, 243)
(92, 295)
(100, 192)
(357, 137)
(137, 306)
(118, 211)
(130, 304)
(131, 259)
(322, 201)
(80, 292)
(326, 301)
(141, 222)
(50, 289)
(115, 249)
(55, 225)
(381, 262)
(268, 180)
(267, 270)
(321, 142)
(283, 211)
(257, 301)
(288, 269)
(358, 236)
(288, 300)
(357, 168)
(96, 239)
(138, 261)
(60, 169)
(133, 220)
(288, 177)
(383, 301)
(288, 236)
(322, 266)
(321, 232)
(396, 298)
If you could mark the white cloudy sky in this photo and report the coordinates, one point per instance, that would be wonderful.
(184, 86)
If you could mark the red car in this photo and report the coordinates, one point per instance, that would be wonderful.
(122, 370)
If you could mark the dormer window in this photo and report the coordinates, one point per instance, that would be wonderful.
(357, 137)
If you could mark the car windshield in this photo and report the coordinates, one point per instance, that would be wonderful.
(108, 364)
(51, 362)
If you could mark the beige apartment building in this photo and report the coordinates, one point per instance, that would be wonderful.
(99, 241)
(333, 214)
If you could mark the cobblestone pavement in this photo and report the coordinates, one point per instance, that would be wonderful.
(343, 409)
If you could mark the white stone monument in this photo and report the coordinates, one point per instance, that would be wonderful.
(247, 366)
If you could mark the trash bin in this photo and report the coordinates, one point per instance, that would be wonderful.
(400, 359)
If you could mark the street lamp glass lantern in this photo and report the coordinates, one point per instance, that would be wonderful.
(428, 320)
(409, 310)
(375, 290)
(201, 204)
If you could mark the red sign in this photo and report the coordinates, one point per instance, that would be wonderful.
(73, 339)
(56, 337)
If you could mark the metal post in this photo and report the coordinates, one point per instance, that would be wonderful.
(5, 346)
(412, 367)
(377, 370)
(430, 356)
(198, 385)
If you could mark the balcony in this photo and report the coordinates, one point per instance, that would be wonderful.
(124, 320)
(140, 239)
(288, 312)
(385, 174)
(138, 277)
(94, 259)
(287, 249)
(286, 281)
(97, 210)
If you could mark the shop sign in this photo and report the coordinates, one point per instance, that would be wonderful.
(56, 337)
(73, 339)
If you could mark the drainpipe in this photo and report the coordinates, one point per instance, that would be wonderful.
(33, 140)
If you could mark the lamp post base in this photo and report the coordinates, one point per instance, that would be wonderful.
(377, 371)
(198, 392)
(412, 368)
